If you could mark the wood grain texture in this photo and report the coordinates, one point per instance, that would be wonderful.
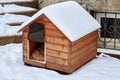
(82, 62)
(56, 60)
(57, 54)
(57, 67)
(57, 40)
(34, 63)
(83, 55)
(56, 47)
(84, 48)
(83, 41)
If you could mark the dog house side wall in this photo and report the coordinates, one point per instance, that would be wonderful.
(83, 50)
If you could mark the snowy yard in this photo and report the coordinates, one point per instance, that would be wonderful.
(12, 18)
(14, 8)
(12, 67)
(103, 67)
(6, 30)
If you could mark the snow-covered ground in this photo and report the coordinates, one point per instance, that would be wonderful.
(12, 67)
(108, 51)
(6, 30)
(12, 18)
(14, 8)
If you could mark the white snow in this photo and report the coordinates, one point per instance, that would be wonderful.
(108, 51)
(14, 8)
(12, 67)
(70, 18)
(3, 1)
(6, 30)
(12, 18)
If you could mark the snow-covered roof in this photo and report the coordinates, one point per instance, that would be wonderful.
(69, 17)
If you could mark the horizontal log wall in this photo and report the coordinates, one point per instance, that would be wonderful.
(56, 48)
(83, 50)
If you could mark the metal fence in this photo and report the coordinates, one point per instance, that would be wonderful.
(109, 33)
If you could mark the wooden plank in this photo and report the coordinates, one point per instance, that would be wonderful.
(56, 60)
(33, 4)
(25, 41)
(56, 54)
(43, 19)
(25, 54)
(10, 39)
(57, 47)
(34, 63)
(25, 46)
(82, 43)
(85, 37)
(54, 33)
(25, 51)
(57, 40)
(57, 67)
(24, 34)
(84, 48)
(82, 62)
(26, 29)
(28, 13)
(50, 26)
(12, 2)
(83, 55)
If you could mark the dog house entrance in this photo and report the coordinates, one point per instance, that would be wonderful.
(36, 42)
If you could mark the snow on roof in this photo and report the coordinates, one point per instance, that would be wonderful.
(70, 18)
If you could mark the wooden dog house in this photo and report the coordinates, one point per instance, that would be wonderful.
(60, 38)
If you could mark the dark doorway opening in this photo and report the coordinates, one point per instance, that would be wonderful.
(36, 42)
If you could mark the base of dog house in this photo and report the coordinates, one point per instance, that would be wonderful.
(62, 57)
(50, 66)
(34, 63)
(60, 72)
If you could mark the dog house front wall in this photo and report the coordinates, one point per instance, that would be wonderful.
(57, 49)
(26, 50)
